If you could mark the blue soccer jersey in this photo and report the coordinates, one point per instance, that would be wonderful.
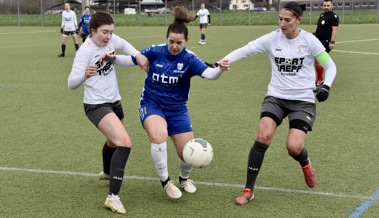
(84, 23)
(167, 83)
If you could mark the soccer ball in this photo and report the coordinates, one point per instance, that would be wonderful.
(198, 153)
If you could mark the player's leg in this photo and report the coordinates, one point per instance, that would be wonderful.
(203, 33)
(180, 140)
(75, 40)
(156, 128)
(117, 137)
(271, 117)
(108, 119)
(300, 123)
(63, 45)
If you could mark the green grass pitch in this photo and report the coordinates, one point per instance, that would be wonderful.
(51, 153)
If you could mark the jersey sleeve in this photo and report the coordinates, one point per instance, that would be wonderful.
(124, 46)
(197, 66)
(257, 46)
(147, 52)
(77, 74)
(335, 20)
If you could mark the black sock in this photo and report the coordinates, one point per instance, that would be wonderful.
(63, 49)
(256, 155)
(302, 158)
(107, 157)
(202, 36)
(76, 47)
(165, 182)
(181, 179)
(118, 163)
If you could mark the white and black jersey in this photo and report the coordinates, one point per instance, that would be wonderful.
(204, 15)
(69, 21)
(292, 63)
(102, 88)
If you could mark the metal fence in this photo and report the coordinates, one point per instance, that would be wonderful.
(223, 13)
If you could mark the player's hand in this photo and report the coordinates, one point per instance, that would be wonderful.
(77, 31)
(91, 70)
(224, 64)
(107, 58)
(61, 30)
(143, 62)
(323, 93)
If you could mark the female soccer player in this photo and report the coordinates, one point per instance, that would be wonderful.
(68, 27)
(205, 20)
(163, 109)
(84, 23)
(93, 68)
(291, 51)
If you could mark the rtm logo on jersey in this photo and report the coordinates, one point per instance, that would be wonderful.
(289, 65)
(164, 79)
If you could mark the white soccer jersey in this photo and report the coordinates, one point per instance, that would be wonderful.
(69, 21)
(203, 14)
(102, 88)
(292, 63)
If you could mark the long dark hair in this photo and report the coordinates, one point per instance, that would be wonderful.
(181, 17)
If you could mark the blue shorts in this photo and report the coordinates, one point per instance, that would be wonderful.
(178, 121)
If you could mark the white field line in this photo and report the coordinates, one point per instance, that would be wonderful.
(329, 194)
(355, 52)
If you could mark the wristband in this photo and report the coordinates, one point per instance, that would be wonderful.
(331, 42)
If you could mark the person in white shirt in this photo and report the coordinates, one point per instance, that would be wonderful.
(205, 20)
(69, 26)
(292, 52)
(94, 67)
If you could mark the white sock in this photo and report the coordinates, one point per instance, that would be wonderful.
(159, 155)
(185, 169)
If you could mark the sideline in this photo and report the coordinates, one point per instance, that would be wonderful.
(328, 194)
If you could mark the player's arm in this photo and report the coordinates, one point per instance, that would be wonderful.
(334, 34)
(195, 18)
(209, 19)
(80, 23)
(329, 66)
(79, 73)
(215, 70)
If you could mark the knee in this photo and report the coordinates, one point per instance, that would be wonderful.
(264, 138)
(123, 141)
(158, 137)
(294, 148)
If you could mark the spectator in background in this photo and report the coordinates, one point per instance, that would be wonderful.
(326, 32)
(69, 26)
(205, 20)
(84, 23)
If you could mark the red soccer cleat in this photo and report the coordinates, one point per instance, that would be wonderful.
(245, 197)
(309, 175)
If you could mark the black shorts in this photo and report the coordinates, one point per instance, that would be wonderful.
(96, 112)
(301, 114)
(203, 25)
(67, 33)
